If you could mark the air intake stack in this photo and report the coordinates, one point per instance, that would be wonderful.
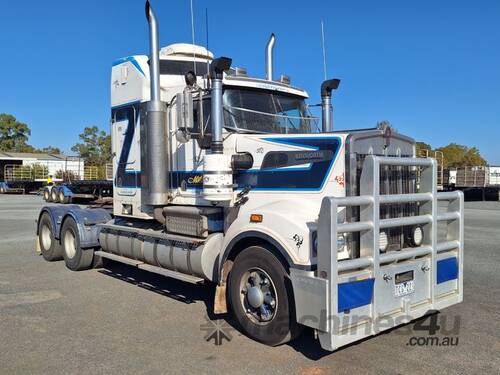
(326, 103)
(217, 172)
(154, 145)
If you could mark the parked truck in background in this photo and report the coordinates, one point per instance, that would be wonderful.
(96, 184)
(60, 178)
(226, 178)
(479, 182)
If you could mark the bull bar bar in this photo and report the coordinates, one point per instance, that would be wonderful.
(318, 294)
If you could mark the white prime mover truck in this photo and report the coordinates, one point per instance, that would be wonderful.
(221, 177)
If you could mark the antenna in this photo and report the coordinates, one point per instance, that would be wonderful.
(192, 35)
(323, 47)
(206, 35)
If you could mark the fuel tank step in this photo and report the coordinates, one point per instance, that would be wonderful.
(150, 268)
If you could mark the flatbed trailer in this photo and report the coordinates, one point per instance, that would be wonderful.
(78, 191)
(20, 187)
(477, 182)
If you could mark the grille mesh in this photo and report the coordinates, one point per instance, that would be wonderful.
(394, 180)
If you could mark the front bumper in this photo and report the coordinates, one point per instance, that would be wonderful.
(348, 300)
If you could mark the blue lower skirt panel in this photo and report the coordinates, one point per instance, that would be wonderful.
(355, 294)
(447, 269)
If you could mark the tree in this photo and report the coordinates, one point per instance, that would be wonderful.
(456, 155)
(95, 148)
(50, 150)
(422, 148)
(14, 134)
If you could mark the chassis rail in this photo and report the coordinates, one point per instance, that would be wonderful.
(347, 300)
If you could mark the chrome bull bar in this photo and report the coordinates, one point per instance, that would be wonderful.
(331, 300)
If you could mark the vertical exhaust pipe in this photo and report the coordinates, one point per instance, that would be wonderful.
(326, 103)
(154, 145)
(269, 57)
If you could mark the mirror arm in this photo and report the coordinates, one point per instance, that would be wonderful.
(201, 118)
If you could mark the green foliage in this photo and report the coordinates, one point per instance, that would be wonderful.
(13, 134)
(95, 147)
(422, 149)
(14, 137)
(50, 150)
(456, 155)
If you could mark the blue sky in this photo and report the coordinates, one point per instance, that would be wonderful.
(432, 68)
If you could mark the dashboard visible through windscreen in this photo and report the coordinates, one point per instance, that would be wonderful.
(266, 111)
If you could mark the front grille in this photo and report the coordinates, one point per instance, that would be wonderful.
(394, 180)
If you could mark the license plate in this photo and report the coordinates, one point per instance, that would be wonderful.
(405, 288)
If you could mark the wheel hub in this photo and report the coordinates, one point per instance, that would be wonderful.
(255, 297)
(46, 237)
(258, 296)
(70, 244)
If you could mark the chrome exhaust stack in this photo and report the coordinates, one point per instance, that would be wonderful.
(154, 145)
(326, 103)
(269, 57)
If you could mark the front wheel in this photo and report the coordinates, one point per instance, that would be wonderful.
(261, 297)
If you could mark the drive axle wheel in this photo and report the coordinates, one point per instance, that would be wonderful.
(261, 297)
(46, 195)
(75, 257)
(50, 247)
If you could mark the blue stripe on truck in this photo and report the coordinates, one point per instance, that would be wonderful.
(355, 294)
(447, 269)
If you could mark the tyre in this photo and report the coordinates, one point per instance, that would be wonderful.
(75, 257)
(261, 297)
(49, 246)
(46, 195)
(63, 198)
(2, 190)
(54, 196)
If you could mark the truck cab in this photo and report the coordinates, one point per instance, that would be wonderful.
(226, 178)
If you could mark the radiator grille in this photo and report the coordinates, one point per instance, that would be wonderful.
(394, 180)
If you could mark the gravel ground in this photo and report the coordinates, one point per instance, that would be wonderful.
(122, 320)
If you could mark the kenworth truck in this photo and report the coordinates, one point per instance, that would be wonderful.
(221, 177)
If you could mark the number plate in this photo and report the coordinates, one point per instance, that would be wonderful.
(405, 288)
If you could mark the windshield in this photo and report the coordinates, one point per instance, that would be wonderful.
(266, 112)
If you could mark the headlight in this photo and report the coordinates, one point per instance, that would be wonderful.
(417, 236)
(314, 241)
(341, 243)
(383, 242)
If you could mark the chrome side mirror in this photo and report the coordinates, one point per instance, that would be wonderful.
(184, 112)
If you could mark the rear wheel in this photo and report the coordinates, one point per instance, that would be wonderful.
(2, 190)
(49, 246)
(54, 195)
(63, 198)
(75, 257)
(46, 195)
(261, 297)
